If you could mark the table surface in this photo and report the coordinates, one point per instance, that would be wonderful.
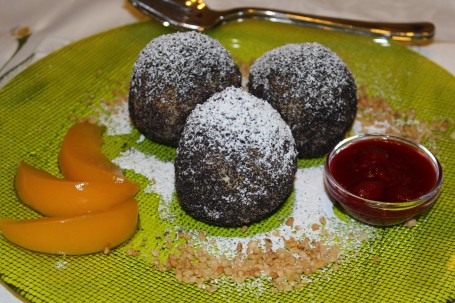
(54, 24)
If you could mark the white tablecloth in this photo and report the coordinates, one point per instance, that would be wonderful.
(54, 24)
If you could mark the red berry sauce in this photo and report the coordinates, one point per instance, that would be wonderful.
(383, 170)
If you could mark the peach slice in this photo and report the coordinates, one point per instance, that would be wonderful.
(85, 234)
(52, 196)
(81, 158)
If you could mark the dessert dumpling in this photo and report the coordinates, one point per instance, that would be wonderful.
(312, 89)
(172, 74)
(236, 160)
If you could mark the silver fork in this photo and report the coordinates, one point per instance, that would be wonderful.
(195, 15)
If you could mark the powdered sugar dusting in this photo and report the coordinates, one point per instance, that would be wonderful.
(116, 119)
(311, 206)
(309, 71)
(378, 127)
(159, 173)
(237, 122)
(179, 58)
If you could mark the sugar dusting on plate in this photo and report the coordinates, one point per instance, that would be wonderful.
(115, 118)
(312, 236)
(159, 173)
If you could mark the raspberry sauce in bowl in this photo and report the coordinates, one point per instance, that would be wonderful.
(382, 179)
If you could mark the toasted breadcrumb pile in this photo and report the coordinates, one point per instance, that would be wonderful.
(286, 268)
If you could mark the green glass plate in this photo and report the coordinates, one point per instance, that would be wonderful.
(38, 106)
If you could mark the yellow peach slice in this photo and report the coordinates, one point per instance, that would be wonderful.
(85, 234)
(52, 196)
(81, 158)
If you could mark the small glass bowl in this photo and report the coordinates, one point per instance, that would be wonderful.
(376, 212)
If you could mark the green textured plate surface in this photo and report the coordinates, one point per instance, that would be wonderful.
(38, 106)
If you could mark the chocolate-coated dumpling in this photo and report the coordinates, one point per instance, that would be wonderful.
(172, 74)
(312, 89)
(236, 160)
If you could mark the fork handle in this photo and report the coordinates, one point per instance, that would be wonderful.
(404, 32)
